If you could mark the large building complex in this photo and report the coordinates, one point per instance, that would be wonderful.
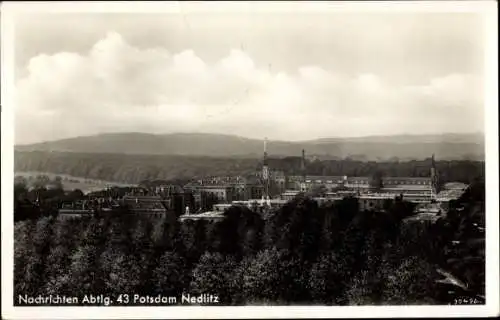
(208, 198)
(273, 188)
(276, 188)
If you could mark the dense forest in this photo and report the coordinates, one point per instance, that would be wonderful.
(302, 253)
(137, 168)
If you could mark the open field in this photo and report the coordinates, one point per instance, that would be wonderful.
(72, 182)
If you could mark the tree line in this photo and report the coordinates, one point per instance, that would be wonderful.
(303, 253)
(137, 168)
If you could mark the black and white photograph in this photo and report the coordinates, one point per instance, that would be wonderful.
(239, 155)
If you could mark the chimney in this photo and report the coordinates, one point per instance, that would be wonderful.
(303, 165)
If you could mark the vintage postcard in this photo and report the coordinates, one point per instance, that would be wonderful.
(249, 159)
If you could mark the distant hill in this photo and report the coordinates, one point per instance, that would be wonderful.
(403, 147)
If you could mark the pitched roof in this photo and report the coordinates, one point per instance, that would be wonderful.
(144, 203)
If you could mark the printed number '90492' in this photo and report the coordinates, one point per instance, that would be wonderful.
(466, 301)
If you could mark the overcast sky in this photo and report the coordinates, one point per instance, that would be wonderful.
(283, 76)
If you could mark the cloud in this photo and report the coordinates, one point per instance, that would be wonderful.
(118, 87)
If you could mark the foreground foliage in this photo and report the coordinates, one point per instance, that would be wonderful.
(302, 254)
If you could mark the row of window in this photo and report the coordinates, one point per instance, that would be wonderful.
(389, 182)
(411, 182)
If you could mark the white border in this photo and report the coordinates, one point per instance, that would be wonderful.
(491, 171)
(251, 6)
(486, 8)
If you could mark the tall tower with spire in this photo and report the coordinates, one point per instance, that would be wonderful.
(265, 171)
(434, 179)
